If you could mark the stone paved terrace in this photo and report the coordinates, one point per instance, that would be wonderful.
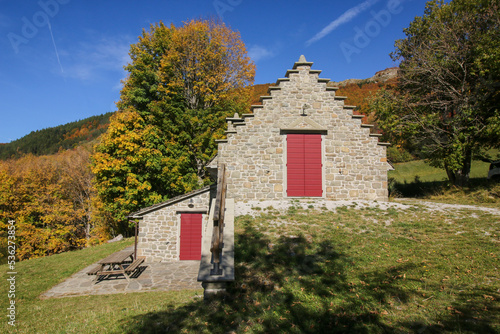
(167, 276)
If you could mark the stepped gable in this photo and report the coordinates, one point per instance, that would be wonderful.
(300, 67)
(354, 163)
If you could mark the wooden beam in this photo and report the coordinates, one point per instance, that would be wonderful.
(219, 209)
(220, 177)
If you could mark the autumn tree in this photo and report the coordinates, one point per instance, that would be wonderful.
(53, 201)
(359, 95)
(48, 197)
(182, 84)
(447, 97)
(77, 178)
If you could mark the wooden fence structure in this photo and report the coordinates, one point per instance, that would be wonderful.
(218, 221)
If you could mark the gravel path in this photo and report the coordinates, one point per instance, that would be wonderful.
(446, 207)
(255, 207)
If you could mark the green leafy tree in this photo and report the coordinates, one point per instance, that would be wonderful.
(447, 97)
(182, 84)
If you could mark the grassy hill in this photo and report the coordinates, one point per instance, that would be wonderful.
(356, 269)
(419, 179)
(408, 171)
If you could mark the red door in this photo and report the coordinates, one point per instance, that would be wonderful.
(304, 168)
(190, 236)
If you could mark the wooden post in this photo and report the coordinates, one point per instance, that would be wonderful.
(219, 208)
(135, 241)
(218, 199)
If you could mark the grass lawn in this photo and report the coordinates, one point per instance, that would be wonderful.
(407, 171)
(357, 270)
(91, 314)
(417, 179)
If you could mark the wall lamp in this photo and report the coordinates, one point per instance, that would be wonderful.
(304, 107)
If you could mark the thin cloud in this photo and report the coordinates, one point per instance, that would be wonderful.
(55, 47)
(257, 52)
(93, 58)
(348, 16)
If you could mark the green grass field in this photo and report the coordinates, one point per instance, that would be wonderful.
(407, 171)
(417, 179)
(315, 271)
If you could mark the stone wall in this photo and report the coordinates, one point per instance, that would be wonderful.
(354, 162)
(159, 230)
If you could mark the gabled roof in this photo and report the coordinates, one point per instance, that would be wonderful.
(213, 162)
(145, 211)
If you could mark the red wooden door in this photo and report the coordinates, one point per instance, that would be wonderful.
(190, 248)
(304, 168)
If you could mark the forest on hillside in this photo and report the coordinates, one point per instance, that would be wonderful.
(52, 140)
(52, 200)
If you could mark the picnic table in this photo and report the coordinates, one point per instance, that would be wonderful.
(119, 263)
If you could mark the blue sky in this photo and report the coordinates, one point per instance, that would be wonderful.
(62, 60)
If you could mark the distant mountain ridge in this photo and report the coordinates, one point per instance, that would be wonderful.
(389, 74)
(51, 140)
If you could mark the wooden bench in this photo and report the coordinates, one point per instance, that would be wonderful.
(134, 265)
(94, 270)
(116, 264)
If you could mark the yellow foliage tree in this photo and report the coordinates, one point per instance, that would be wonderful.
(182, 84)
(52, 200)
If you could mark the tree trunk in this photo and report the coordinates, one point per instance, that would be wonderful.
(450, 173)
(460, 177)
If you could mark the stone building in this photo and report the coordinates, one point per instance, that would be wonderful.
(301, 142)
(172, 230)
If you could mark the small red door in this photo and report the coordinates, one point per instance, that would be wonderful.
(190, 248)
(304, 168)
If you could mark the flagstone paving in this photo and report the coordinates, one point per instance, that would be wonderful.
(180, 275)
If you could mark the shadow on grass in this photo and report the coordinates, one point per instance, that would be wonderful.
(424, 189)
(470, 313)
(291, 285)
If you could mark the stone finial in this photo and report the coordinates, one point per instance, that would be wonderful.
(302, 62)
(236, 115)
